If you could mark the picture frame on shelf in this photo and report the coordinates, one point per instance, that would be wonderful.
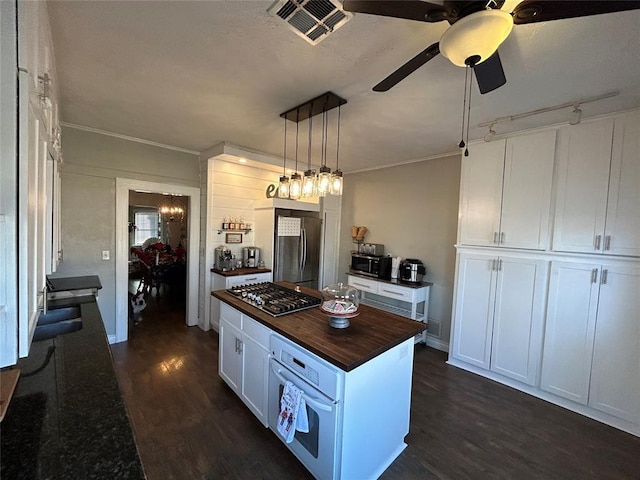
(233, 238)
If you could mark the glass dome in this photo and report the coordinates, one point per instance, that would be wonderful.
(340, 299)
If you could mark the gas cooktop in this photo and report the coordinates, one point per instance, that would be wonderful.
(274, 299)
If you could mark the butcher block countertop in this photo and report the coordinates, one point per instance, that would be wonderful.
(368, 335)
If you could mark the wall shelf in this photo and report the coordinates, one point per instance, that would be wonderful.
(235, 230)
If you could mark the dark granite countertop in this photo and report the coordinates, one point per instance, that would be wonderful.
(67, 284)
(67, 419)
(370, 333)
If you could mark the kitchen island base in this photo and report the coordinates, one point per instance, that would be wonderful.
(356, 382)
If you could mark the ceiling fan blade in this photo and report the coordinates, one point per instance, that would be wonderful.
(490, 74)
(407, 9)
(532, 11)
(408, 68)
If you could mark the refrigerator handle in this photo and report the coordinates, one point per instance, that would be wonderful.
(300, 250)
(304, 249)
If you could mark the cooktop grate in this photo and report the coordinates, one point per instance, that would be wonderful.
(273, 299)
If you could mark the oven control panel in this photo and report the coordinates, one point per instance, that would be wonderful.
(300, 367)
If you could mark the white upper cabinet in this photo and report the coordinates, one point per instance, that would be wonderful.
(506, 192)
(598, 190)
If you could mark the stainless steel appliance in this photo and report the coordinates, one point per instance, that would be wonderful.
(378, 267)
(297, 247)
(373, 249)
(250, 256)
(223, 259)
(320, 383)
(411, 270)
(273, 299)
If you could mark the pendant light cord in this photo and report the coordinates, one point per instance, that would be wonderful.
(464, 108)
(309, 145)
(338, 140)
(284, 150)
(297, 124)
(466, 150)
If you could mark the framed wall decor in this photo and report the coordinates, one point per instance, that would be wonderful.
(233, 238)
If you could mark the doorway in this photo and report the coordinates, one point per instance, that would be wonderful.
(191, 244)
(157, 265)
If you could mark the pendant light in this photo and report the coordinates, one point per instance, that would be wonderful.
(295, 187)
(324, 175)
(283, 186)
(309, 181)
(336, 177)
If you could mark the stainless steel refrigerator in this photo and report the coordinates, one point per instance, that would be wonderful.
(297, 247)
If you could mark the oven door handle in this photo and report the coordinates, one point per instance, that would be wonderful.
(309, 400)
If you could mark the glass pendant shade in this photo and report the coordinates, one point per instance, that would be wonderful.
(479, 34)
(324, 181)
(295, 186)
(336, 183)
(283, 187)
(309, 184)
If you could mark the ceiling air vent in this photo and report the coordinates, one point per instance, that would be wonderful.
(312, 20)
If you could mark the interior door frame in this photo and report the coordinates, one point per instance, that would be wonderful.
(123, 187)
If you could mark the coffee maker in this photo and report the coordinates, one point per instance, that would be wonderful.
(250, 256)
(223, 260)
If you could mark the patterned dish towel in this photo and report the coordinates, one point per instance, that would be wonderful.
(293, 412)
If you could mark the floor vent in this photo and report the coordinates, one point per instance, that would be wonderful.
(312, 20)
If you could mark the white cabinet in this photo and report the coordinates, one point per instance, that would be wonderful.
(505, 195)
(244, 359)
(415, 297)
(598, 193)
(499, 313)
(592, 338)
(223, 282)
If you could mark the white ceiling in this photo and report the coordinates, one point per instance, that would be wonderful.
(194, 74)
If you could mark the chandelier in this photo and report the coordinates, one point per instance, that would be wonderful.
(171, 211)
(324, 181)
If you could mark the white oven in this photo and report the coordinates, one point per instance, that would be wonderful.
(321, 383)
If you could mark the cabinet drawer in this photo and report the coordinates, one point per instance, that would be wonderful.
(363, 284)
(231, 315)
(246, 279)
(395, 291)
(257, 332)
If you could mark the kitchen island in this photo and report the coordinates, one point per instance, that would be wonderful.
(356, 381)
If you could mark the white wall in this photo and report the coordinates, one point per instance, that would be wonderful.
(92, 162)
(413, 210)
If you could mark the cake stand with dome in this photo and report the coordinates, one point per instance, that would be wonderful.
(340, 303)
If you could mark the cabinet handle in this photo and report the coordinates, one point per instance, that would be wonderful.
(495, 237)
(237, 345)
(250, 279)
(240, 344)
(499, 264)
(392, 293)
(597, 241)
(594, 275)
(502, 238)
(603, 277)
(360, 285)
(607, 242)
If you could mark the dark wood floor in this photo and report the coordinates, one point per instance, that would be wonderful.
(189, 425)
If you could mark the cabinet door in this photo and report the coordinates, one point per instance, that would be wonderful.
(622, 232)
(255, 377)
(526, 191)
(583, 179)
(230, 359)
(519, 318)
(615, 374)
(474, 309)
(569, 332)
(481, 193)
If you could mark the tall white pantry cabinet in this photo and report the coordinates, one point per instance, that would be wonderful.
(547, 289)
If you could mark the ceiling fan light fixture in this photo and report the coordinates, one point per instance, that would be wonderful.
(476, 35)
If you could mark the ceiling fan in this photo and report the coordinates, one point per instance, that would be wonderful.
(477, 29)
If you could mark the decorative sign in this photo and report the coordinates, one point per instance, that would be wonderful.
(233, 238)
(272, 191)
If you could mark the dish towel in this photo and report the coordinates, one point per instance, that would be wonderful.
(293, 412)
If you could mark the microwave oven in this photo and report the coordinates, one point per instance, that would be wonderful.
(378, 267)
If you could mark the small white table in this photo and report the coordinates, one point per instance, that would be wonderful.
(403, 293)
